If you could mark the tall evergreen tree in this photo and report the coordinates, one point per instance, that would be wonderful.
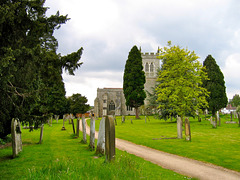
(134, 80)
(31, 84)
(215, 85)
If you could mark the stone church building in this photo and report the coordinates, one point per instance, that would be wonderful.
(111, 101)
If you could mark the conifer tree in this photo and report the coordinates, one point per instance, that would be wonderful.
(134, 80)
(215, 85)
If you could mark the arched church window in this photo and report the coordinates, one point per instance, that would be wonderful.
(151, 67)
(146, 67)
(111, 106)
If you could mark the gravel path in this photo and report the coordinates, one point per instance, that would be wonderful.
(181, 165)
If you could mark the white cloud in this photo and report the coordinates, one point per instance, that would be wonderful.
(231, 73)
(108, 29)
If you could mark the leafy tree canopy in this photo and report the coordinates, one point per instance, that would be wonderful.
(235, 100)
(78, 104)
(180, 79)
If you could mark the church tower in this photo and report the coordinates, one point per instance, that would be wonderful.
(151, 64)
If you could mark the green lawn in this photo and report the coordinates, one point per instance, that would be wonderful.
(219, 146)
(61, 156)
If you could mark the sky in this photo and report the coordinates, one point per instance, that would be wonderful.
(108, 29)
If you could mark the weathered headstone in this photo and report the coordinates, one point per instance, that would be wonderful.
(101, 138)
(73, 126)
(64, 118)
(187, 130)
(84, 140)
(123, 119)
(78, 127)
(92, 134)
(231, 113)
(56, 117)
(179, 128)
(41, 134)
(218, 119)
(16, 137)
(109, 139)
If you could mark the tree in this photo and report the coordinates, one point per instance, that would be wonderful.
(31, 84)
(180, 79)
(78, 104)
(215, 85)
(235, 100)
(134, 80)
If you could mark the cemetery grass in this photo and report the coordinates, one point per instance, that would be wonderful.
(220, 146)
(62, 156)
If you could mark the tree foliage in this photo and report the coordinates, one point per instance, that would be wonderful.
(180, 79)
(31, 84)
(235, 100)
(78, 104)
(134, 80)
(215, 84)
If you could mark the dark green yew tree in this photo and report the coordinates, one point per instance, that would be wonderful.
(215, 85)
(134, 80)
(31, 84)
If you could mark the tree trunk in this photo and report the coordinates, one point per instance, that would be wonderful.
(136, 112)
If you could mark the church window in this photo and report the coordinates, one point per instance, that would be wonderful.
(111, 106)
(151, 67)
(146, 67)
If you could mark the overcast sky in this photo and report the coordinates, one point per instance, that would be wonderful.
(108, 29)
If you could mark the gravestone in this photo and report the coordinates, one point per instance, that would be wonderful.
(73, 126)
(41, 134)
(92, 133)
(179, 128)
(213, 122)
(218, 119)
(56, 117)
(187, 130)
(84, 140)
(231, 113)
(16, 137)
(78, 127)
(101, 138)
(64, 118)
(123, 119)
(109, 138)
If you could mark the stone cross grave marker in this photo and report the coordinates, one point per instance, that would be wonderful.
(101, 138)
(92, 133)
(84, 140)
(109, 138)
(16, 137)
(187, 130)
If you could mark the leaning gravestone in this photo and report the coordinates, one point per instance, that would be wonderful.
(92, 133)
(123, 119)
(84, 140)
(179, 128)
(109, 138)
(101, 138)
(73, 126)
(16, 137)
(187, 130)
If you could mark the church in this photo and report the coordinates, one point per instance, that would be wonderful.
(111, 101)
